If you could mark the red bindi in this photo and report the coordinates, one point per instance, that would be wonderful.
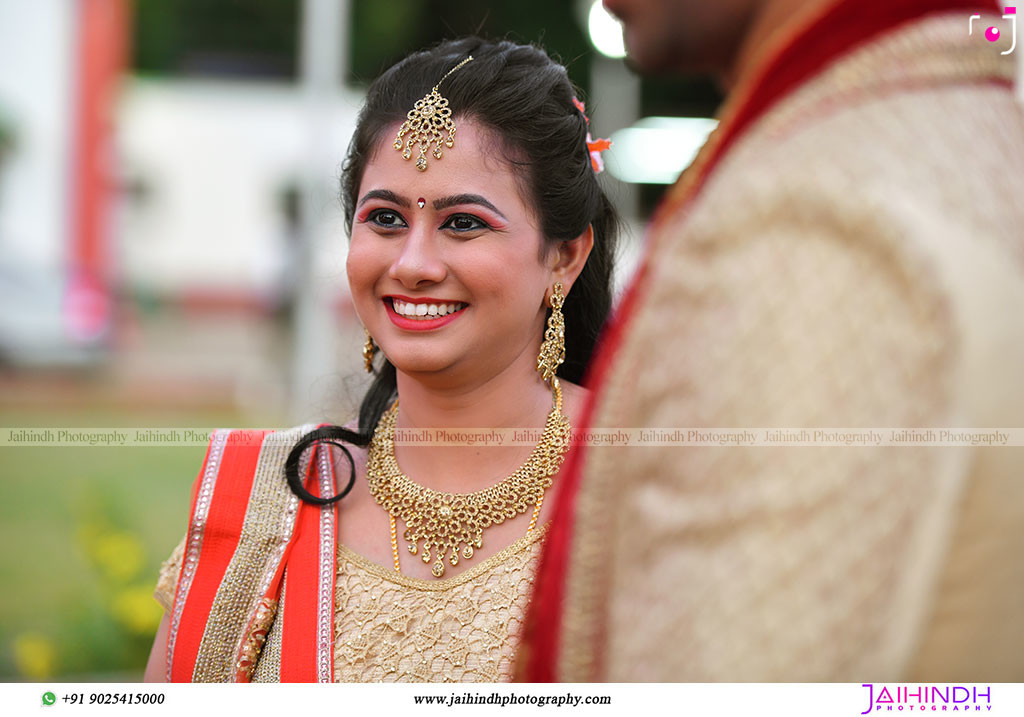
(421, 202)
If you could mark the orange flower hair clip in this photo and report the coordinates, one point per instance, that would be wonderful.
(594, 146)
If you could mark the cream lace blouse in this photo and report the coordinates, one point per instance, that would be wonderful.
(390, 628)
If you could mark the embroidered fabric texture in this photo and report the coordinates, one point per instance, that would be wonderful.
(850, 291)
(389, 628)
(168, 578)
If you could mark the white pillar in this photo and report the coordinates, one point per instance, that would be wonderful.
(323, 67)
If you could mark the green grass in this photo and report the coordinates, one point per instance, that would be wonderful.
(80, 527)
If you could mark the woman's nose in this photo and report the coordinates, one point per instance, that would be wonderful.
(419, 262)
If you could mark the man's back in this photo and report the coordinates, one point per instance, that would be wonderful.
(854, 264)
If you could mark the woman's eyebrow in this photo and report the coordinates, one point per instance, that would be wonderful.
(446, 202)
(387, 195)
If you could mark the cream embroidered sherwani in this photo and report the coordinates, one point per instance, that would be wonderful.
(855, 261)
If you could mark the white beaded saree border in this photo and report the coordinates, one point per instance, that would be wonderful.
(325, 601)
(195, 539)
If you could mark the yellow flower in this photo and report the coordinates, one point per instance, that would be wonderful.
(119, 555)
(34, 655)
(135, 608)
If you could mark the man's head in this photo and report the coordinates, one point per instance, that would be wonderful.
(672, 36)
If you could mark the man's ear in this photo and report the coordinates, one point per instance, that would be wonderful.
(569, 257)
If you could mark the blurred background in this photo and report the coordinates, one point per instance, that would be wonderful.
(172, 255)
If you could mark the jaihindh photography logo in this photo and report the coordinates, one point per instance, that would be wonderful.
(927, 698)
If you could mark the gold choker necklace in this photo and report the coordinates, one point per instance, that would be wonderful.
(447, 521)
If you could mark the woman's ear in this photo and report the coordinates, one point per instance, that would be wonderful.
(570, 256)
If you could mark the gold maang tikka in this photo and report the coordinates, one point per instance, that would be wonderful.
(426, 122)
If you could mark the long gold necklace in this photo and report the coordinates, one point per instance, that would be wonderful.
(444, 522)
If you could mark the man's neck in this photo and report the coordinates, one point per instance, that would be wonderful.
(772, 21)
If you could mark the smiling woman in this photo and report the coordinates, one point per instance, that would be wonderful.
(488, 257)
(480, 265)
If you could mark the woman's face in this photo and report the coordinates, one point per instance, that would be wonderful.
(455, 287)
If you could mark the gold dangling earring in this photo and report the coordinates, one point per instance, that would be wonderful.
(369, 351)
(552, 349)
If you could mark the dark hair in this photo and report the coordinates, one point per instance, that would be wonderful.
(526, 99)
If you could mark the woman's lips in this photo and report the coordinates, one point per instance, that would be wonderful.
(424, 323)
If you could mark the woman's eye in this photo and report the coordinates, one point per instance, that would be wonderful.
(386, 218)
(464, 223)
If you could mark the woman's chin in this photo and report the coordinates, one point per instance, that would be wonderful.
(422, 364)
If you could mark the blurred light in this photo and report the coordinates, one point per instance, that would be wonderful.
(87, 309)
(135, 609)
(656, 149)
(605, 32)
(34, 655)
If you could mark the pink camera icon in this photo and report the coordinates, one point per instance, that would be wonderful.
(993, 33)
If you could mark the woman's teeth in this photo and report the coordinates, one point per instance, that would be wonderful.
(425, 311)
